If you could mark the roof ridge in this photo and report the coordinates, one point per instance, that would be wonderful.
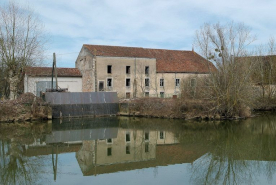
(138, 47)
(47, 71)
(166, 59)
(52, 67)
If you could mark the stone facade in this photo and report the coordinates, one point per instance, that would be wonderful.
(137, 72)
(86, 65)
(129, 146)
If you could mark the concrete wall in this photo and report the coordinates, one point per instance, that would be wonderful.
(74, 84)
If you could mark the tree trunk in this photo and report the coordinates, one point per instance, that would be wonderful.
(13, 81)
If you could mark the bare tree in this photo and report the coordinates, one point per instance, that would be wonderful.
(264, 76)
(145, 80)
(229, 85)
(21, 44)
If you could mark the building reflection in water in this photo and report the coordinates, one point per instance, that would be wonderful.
(217, 151)
(114, 145)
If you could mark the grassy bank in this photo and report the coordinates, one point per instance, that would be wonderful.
(177, 109)
(27, 107)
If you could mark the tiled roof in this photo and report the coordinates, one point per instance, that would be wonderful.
(47, 71)
(166, 60)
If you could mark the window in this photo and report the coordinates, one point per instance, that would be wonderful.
(128, 82)
(109, 151)
(161, 82)
(127, 149)
(147, 82)
(162, 94)
(177, 81)
(161, 135)
(101, 86)
(127, 137)
(127, 69)
(109, 141)
(146, 136)
(147, 70)
(109, 69)
(146, 94)
(127, 95)
(147, 147)
(193, 82)
(109, 82)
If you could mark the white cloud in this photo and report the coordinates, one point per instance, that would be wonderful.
(143, 23)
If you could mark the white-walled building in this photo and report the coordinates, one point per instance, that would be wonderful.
(39, 78)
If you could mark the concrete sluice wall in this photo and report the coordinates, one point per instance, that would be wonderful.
(82, 104)
(82, 110)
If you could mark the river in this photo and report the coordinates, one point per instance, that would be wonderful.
(123, 150)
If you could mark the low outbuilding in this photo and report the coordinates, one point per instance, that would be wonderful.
(38, 79)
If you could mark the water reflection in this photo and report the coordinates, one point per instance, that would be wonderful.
(15, 167)
(236, 152)
(111, 145)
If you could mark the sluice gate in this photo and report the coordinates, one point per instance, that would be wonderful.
(82, 104)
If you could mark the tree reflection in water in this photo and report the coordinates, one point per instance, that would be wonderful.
(238, 153)
(15, 168)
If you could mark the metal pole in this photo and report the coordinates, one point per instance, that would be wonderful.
(53, 72)
(55, 64)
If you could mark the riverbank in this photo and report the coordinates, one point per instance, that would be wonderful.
(24, 132)
(25, 108)
(175, 109)
(28, 108)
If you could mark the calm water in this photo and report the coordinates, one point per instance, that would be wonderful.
(142, 151)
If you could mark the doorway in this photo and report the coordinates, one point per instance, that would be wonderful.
(101, 85)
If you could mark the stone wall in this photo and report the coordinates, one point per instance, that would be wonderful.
(86, 65)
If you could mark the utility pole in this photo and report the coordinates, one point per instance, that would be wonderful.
(52, 86)
(55, 62)
(135, 81)
(54, 69)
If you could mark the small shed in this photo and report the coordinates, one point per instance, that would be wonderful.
(38, 79)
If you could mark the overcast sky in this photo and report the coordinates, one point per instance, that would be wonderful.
(166, 24)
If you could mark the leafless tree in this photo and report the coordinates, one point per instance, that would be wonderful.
(145, 81)
(22, 44)
(264, 75)
(229, 85)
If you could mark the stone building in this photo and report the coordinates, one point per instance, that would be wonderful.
(138, 72)
(132, 149)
